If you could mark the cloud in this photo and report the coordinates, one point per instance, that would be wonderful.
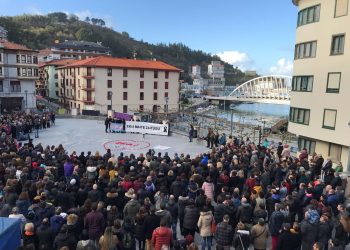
(83, 14)
(283, 67)
(237, 59)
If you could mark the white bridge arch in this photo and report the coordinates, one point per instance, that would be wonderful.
(265, 87)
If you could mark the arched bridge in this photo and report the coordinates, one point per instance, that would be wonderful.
(265, 89)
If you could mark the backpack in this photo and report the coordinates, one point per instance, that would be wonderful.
(127, 240)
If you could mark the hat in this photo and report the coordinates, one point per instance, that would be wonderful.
(73, 181)
(63, 215)
(132, 168)
(91, 169)
(94, 187)
(178, 165)
(130, 193)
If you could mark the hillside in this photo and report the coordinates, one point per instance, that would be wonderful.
(39, 32)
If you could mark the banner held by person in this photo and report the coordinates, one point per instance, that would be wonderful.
(146, 128)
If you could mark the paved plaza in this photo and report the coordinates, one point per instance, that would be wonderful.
(89, 135)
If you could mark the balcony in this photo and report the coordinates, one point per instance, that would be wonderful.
(87, 87)
(88, 76)
(90, 101)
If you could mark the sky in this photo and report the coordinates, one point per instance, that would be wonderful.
(250, 34)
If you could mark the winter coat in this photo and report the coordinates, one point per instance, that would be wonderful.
(324, 232)
(219, 212)
(173, 208)
(289, 240)
(94, 223)
(131, 209)
(151, 222)
(260, 234)
(276, 221)
(208, 188)
(245, 213)
(165, 214)
(23, 206)
(56, 223)
(140, 228)
(309, 234)
(204, 223)
(45, 237)
(162, 236)
(191, 215)
(65, 239)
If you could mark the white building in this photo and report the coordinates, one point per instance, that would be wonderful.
(124, 85)
(18, 73)
(320, 97)
(196, 71)
(216, 70)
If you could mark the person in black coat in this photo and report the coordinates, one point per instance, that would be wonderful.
(191, 216)
(173, 208)
(290, 238)
(45, 235)
(64, 239)
(152, 221)
(324, 231)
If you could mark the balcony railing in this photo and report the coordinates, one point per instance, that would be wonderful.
(88, 87)
(90, 101)
(88, 76)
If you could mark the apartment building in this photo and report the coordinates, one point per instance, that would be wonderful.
(123, 85)
(18, 73)
(320, 97)
(73, 50)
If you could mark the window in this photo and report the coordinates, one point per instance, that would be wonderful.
(1, 86)
(310, 145)
(36, 71)
(166, 85)
(155, 85)
(24, 72)
(109, 84)
(333, 82)
(125, 96)
(23, 59)
(18, 58)
(309, 15)
(142, 84)
(334, 151)
(109, 95)
(109, 107)
(166, 74)
(109, 72)
(155, 96)
(125, 108)
(302, 83)
(155, 74)
(15, 86)
(125, 84)
(166, 95)
(35, 59)
(338, 44)
(341, 8)
(141, 108)
(329, 118)
(305, 50)
(29, 59)
(30, 72)
(298, 115)
(142, 73)
(142, 96)
(155, 108)
(0, 57)
(0, 71)
(125, 72)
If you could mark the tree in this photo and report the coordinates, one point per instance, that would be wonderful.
(58, 17)
(87, 19)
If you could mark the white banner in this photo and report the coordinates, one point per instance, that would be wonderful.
(146, 128)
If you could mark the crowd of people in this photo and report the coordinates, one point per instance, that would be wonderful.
(236, 195)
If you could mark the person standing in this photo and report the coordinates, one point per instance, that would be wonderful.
(204, 223)
(224, 234)
(107, 124)
(190, 133)
(259, 235)
(94, 223)
(276, 222)
(37, 125)
(162, 237)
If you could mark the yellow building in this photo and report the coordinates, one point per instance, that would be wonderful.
(320, 98)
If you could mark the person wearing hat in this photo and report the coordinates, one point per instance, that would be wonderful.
(132, 207)
(260, 234)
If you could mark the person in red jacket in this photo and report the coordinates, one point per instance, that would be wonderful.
(162, 236)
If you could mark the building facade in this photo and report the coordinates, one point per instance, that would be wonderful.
(216, 72)
(320, 97)
(123, 85)
(196, 71)
(73, 50)
(18, 73)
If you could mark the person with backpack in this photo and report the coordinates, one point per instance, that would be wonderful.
(162, 237)
(128, 236)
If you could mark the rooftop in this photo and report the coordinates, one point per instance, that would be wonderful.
(81, 45)
(13, 46)
(112, 62)
(60, 62)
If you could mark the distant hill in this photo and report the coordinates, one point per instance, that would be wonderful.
(40, 31)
